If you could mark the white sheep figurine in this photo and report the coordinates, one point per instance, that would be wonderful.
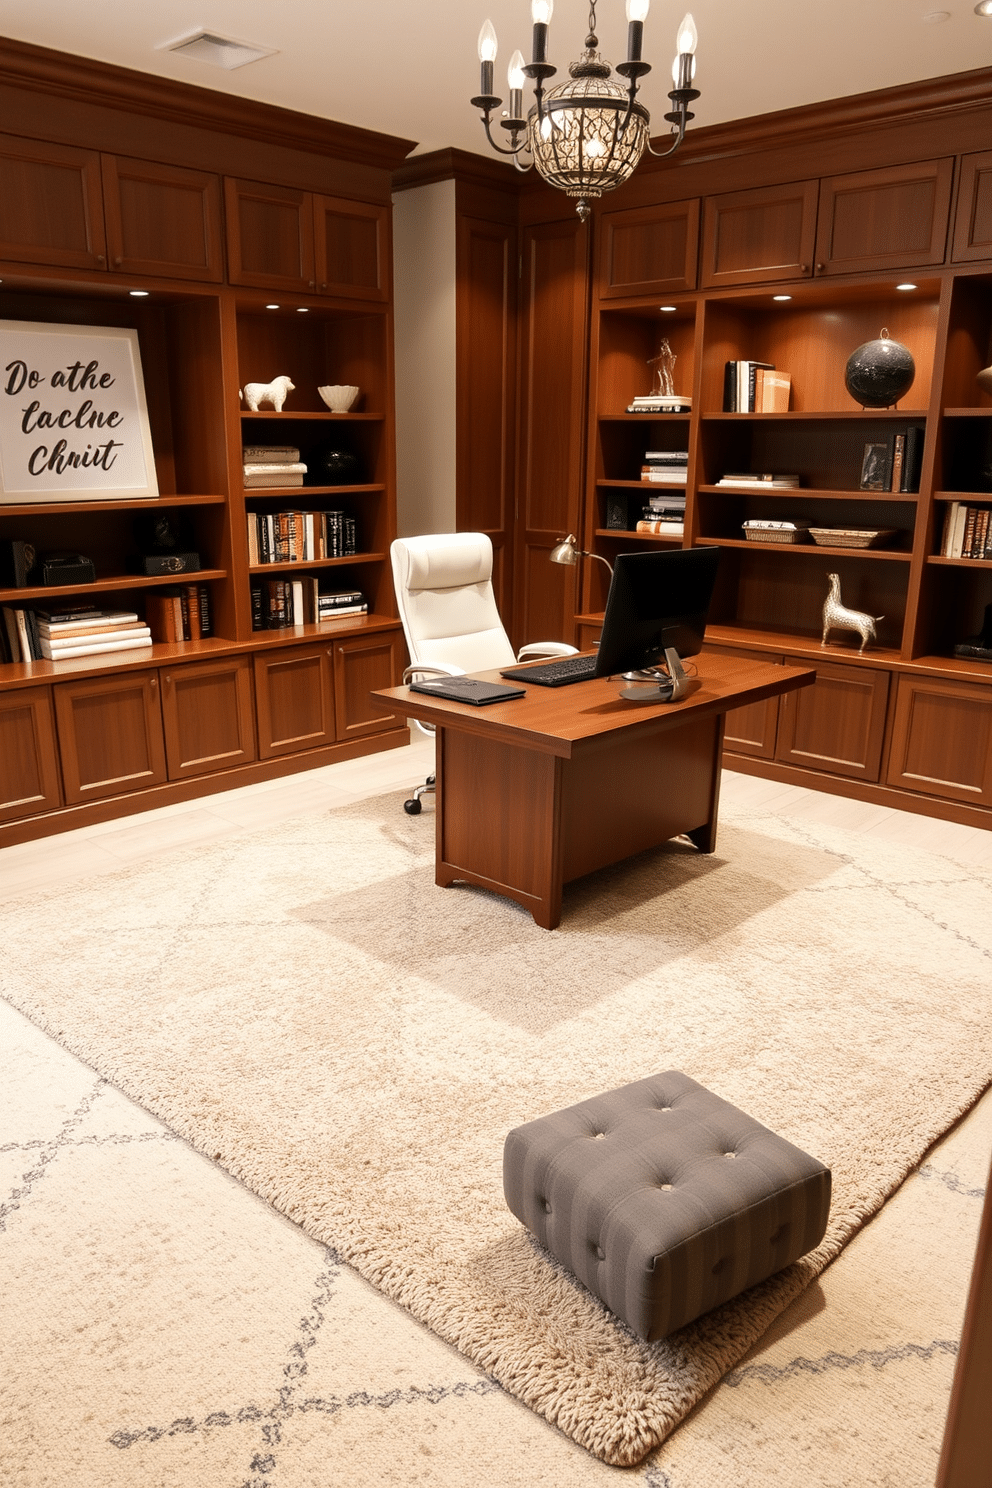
(837, 616)
(273, 392)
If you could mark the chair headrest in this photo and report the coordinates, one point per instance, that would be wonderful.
(444, 560)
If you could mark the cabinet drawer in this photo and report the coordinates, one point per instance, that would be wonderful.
(752, 730)
(52, 204)
(162, 220)
(838, 724)
(294, 693)
(942, 740)
(884, 219)
(973, 219)
(110, 735)
(362, 665)
(29, 770)
(768, 233)
(648, 250)
(207, 716)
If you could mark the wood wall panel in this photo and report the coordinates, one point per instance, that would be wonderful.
(973, 219)
(486, 308)
(552, 377)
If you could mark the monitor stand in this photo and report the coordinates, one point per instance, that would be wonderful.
(655, 686)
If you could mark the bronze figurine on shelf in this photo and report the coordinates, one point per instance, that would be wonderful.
(665, 399)
(836, 616)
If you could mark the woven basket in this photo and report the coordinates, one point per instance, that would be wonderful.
(775, 534)
(851, 537)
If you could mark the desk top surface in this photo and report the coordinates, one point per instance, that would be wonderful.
(554, 720)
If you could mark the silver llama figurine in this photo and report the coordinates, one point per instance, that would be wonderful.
(836, 616)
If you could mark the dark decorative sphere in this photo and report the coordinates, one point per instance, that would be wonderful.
(879, 372)
(330, 466)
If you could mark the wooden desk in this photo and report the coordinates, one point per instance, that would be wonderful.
(537, 791)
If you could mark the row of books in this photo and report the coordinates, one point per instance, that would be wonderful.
(755, 387)
(179, 612)
(300, 536)
(278, 603)
(666, 467)
(967, 531)
(270, 466)
(662, 516)
(893, 464)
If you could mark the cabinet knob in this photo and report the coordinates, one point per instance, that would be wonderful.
(153, 682)
(168, 679)
(324, 284)
(100, 258)
(804, 268)
(313, 284)
(820, 268)
(118, 259)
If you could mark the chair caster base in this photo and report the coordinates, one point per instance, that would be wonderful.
(412, 807)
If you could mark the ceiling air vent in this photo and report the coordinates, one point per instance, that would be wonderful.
(220, 51)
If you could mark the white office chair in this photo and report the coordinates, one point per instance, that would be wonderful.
(444, 590)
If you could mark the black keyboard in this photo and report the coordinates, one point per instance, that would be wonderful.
(556, 673)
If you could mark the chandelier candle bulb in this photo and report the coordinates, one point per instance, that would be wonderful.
(487, 56)
(541, 11)
(515, 80)
(637, 11)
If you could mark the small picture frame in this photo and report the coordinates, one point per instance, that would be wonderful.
(875, 468)
(73, 418)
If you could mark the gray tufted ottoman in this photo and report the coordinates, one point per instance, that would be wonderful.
(663, 1199)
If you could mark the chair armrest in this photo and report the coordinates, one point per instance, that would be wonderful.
(432, 669)
(546, 648)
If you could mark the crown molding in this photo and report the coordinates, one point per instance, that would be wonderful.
(456, 165)
(43, 70)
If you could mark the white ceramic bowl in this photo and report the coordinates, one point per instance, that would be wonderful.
(339, 398)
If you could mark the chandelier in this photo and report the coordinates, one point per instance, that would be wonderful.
(585, 136)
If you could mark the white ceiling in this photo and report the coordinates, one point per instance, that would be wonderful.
(410, 70)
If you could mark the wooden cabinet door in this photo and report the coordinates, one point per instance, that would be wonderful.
(110, 735)
(752, 730)
(884, 219)
(269, 235)
(942, 740)
(362, 664)
(29, 768)
(838, 724)
(294, 697)
(351, 248)
(973, 218)
(162, 220)
(648, 250)
(752, 237)
(51, 206)
(208, 716)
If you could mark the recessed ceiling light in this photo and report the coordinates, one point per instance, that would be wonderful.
(905, 286)
(272, 307)
(302, 309)
(219, 51)
(668, 308)
(934, 17)
(984, 8)
(139, 294)
(781, 297)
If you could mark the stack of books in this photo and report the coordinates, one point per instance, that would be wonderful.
(179, 612)
(967, 531)
(669, 467)
(300, 536)
(278, 603)
(663, 516)
(271, 466)
(753, 482)
(59, 635)
(661, 403)
(755, 387)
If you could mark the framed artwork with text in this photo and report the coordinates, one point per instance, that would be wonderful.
(73, 418)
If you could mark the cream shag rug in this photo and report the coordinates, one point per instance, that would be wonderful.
(308, 1009)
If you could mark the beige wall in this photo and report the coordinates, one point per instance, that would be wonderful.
(424, 298)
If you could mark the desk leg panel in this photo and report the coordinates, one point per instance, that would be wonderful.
(634, 793)
(498, 820)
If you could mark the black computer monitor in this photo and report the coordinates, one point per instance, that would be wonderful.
(656, 609)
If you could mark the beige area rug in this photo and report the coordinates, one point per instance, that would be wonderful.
(306, 1008)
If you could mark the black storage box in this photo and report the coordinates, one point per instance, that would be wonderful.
(155, 564)
(61, 569)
